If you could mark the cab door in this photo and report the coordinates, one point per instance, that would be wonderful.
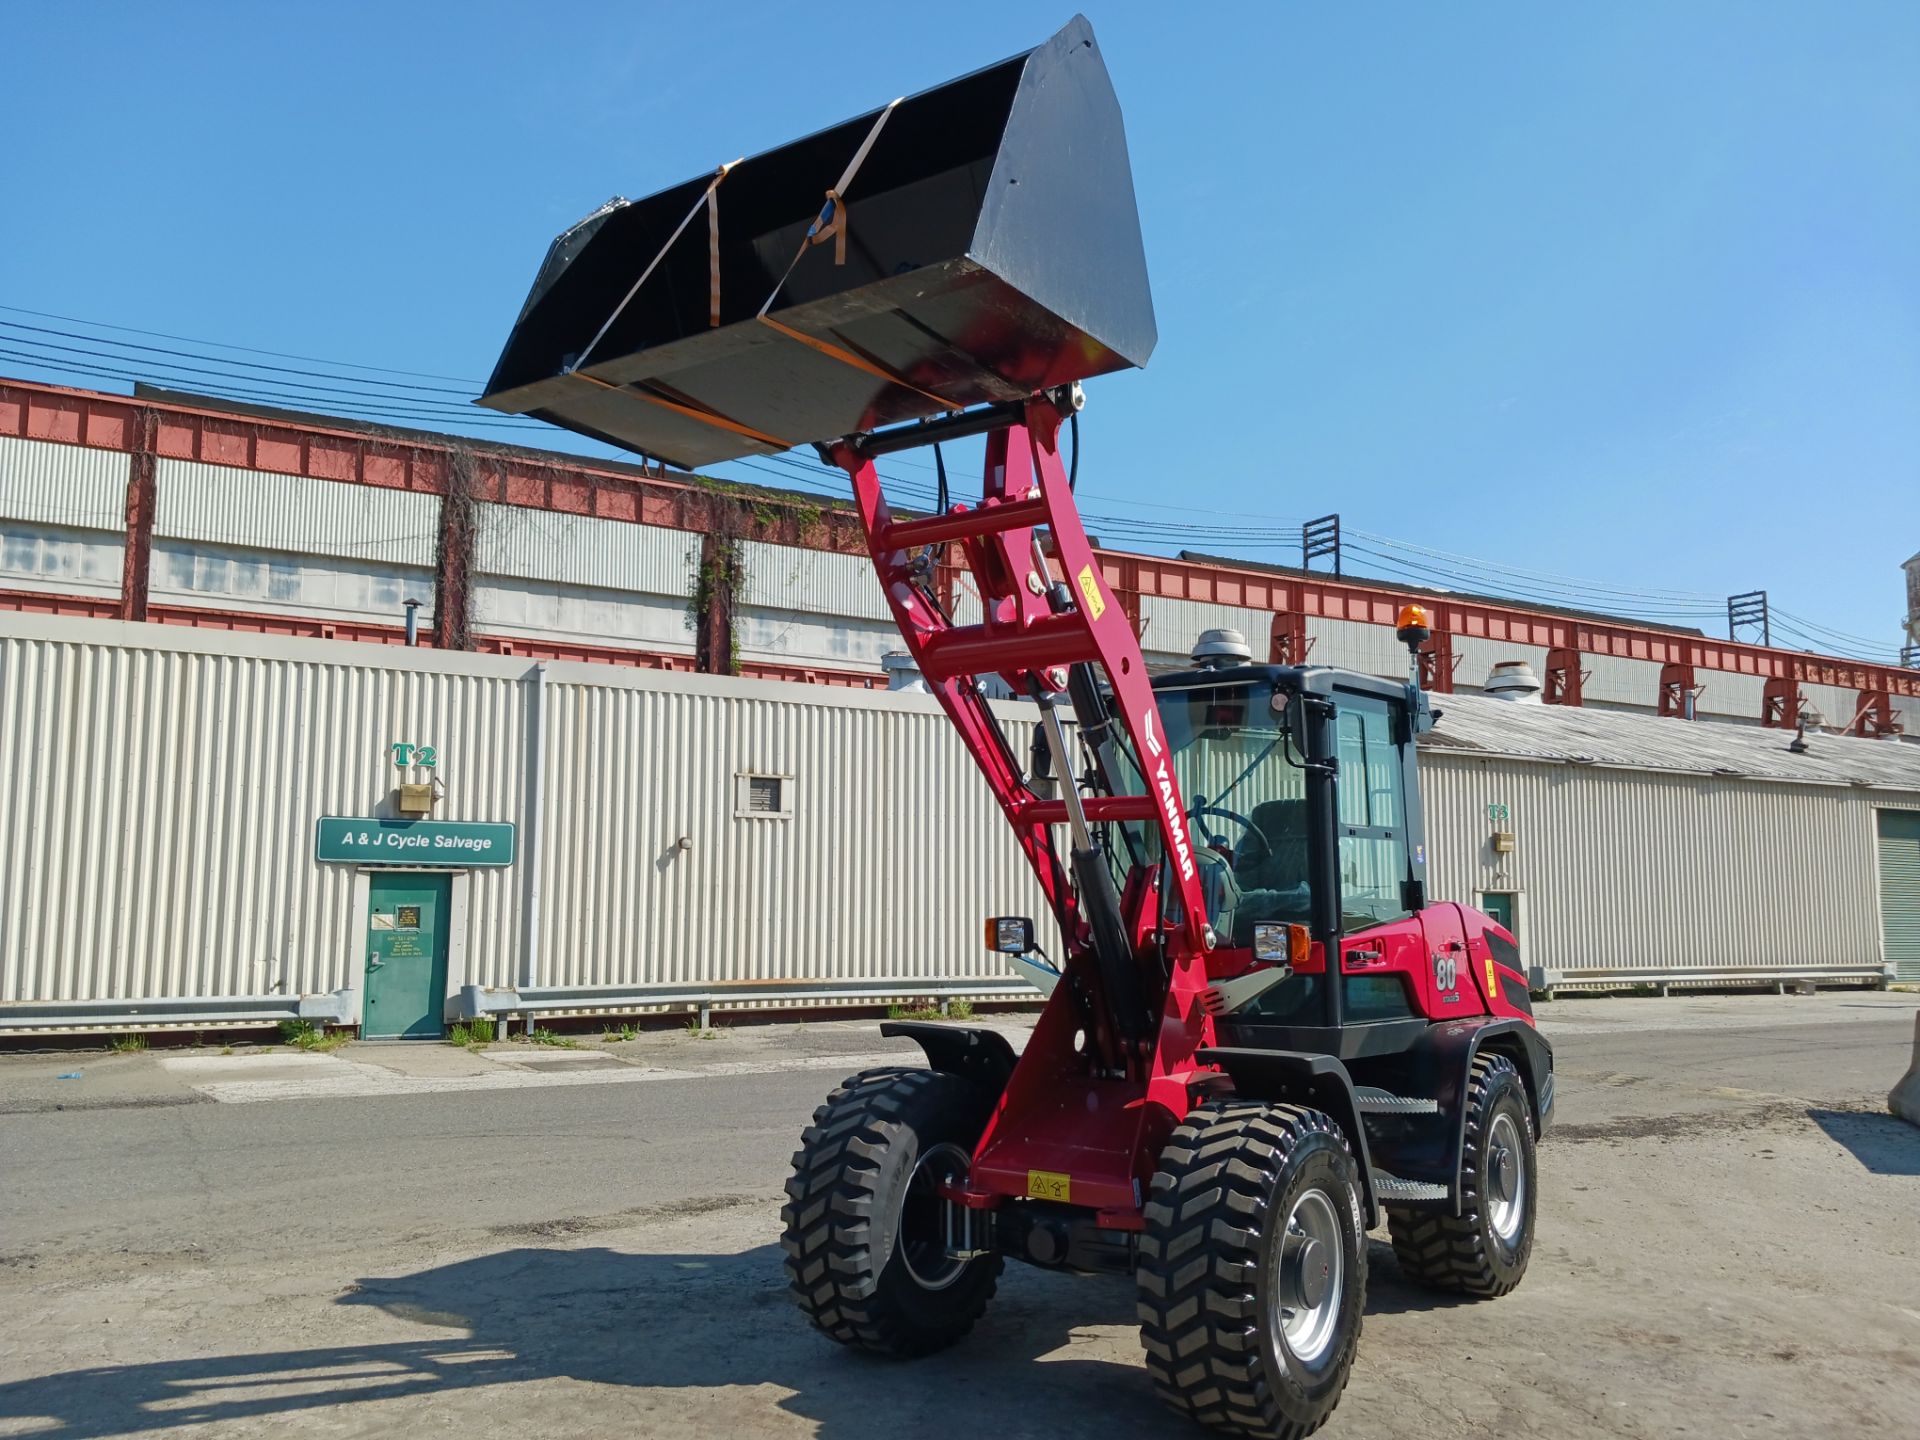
(1447, 980)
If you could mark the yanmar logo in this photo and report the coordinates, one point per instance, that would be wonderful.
(1169, 802)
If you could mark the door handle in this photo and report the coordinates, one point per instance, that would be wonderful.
(374, 962)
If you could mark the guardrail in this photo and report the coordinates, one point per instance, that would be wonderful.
(1666, 978)
(703, 999)
(41, 1017)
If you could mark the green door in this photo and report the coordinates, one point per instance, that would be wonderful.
(406, 982)
(1497, 905)
(1900, 890)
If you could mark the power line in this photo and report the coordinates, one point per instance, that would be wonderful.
(301, 386)
(246, 349)
(320, 403)
(223, 360)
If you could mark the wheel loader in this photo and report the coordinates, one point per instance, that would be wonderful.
(1263, 1036)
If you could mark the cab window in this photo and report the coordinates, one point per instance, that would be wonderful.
(1372, 814)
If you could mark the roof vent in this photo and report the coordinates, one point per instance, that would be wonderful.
(1514, 680)
(1221, 649)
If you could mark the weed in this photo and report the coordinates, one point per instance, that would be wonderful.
(127, 1044)
(470, 1033)
(305, 1035)
(547, 1037)
(955, 1010)
(226, 1049)
(625, 1032)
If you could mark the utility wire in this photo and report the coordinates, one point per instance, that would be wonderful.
(245, 349)
(319, 403)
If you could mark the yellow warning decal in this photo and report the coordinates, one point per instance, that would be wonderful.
(1493, 980)
(1046, 1185)
(1090, 587)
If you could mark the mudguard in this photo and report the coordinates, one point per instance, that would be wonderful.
(1444, 1059)
(1296, 1077)
(981, 1056)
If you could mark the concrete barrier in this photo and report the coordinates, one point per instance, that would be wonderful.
(1904, 1099)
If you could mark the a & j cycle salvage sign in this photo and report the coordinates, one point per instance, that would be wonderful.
(343, 840)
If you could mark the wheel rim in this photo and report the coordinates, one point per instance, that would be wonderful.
(922, 1234)
(1506, 1179)
(1309, 1281)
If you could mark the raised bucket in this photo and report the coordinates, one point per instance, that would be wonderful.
(975, 242)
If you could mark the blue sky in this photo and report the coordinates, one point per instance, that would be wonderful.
(1629, 293)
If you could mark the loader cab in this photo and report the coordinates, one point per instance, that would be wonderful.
(1303, 807)
(1302, 799)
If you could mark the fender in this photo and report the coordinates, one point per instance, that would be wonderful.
(981, 1056)
(1447, 1053)
(1296, 1077)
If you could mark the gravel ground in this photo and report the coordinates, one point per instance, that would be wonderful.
(1728, 1244)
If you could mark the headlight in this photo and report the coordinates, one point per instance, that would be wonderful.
(1010, 934)
(1281, 944)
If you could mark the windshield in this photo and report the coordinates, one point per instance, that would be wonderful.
(1239, 772)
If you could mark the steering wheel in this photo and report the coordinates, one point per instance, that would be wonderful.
(1202, 809)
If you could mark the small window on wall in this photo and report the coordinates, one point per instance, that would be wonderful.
(762, 797)
(1372, 813)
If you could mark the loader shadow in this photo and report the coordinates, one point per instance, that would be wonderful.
(670, 1330)
(662, 1327)
(1885, 1144)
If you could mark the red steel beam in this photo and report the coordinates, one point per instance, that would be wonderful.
(565, 485)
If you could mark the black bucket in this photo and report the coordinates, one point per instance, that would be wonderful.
(987, 247)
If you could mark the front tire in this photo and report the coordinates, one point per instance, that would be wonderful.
(1482, 1251)
(865, 1239)
(1253, 1269)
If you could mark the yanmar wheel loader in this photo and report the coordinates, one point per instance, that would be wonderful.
(1263, 1035)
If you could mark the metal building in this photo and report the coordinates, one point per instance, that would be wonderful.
(193, 837)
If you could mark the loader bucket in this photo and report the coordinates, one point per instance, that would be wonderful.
(975, 242)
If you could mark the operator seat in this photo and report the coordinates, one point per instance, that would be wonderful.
(1277, 858)
(1270, 867)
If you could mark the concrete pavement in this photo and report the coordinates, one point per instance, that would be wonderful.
(1729, 1244)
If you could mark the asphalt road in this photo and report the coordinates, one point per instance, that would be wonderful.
(1729, 1244)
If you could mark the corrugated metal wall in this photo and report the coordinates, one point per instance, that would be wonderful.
(68, 485)
(1621, 868)
(890, 854)
(222, 505)
(160, 789)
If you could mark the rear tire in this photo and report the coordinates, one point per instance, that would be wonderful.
(864, 1240)
(1253, 1269)
(1482, 1251)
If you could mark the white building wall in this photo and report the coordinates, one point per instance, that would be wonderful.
(1727, 695)
(59, 561)
(63, 511)
(543, 610)
(892, 851)
(1370, 649)
(1477, 657)
(1172, 626)
(161, 787)
(1621, 868)
(75, 487)
(277, 582)
(253, 510)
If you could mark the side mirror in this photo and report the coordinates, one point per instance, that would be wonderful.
(1010, 935)
(1413, 895)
